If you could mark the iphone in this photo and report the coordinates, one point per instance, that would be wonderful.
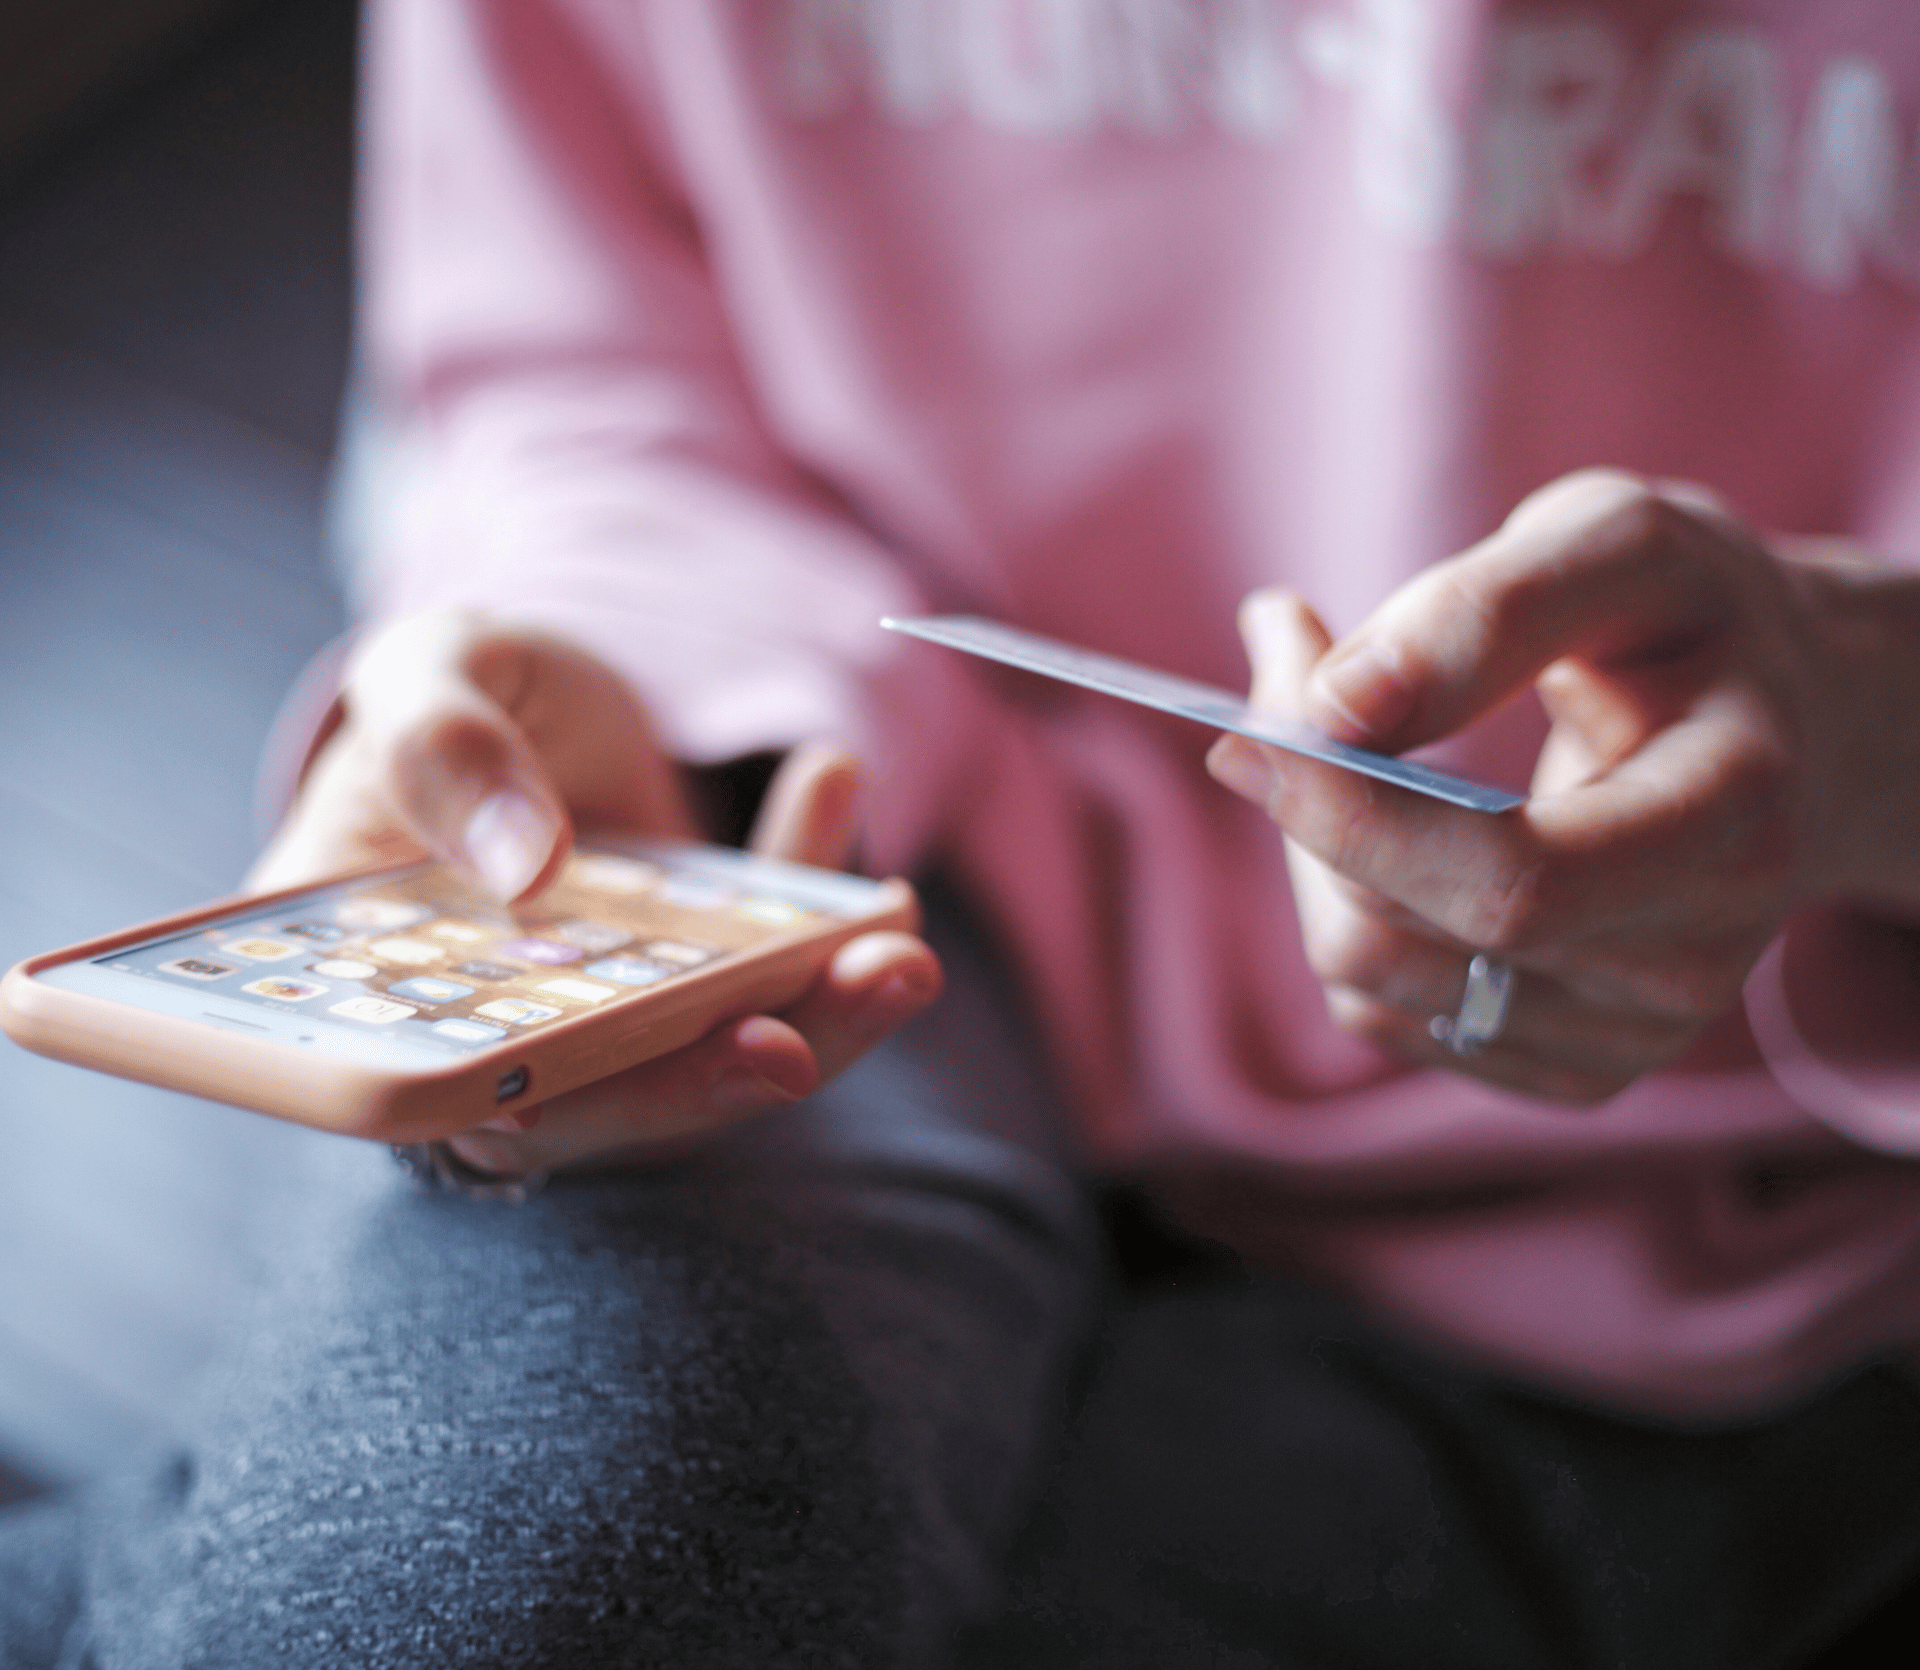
(402, 1005)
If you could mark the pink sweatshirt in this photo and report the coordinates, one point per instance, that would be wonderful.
(720, 328)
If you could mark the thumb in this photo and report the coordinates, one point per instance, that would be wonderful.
(426, 762)
(1285, 639)
(810, 811)
(1598, 565)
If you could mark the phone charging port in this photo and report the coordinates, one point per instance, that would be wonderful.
(511, 1085)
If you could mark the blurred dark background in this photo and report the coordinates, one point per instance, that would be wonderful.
(174, 203)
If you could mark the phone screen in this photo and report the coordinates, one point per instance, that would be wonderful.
(415, 955)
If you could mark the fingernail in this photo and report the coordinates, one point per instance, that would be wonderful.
(521, 1119)
(1243, 767)
(1361, 691)
(746, 1090)
(507, 841)
(858, 958)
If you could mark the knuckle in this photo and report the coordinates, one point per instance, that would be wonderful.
(1698, 500)
(449, 737)
(1637, 515)
(422, 766)
(1579, 493)
(1651, 534)
(1606, 480)
(1466, 607)
(1333, 828)
(1348, 833)
(1631, 515)
(1512, 914)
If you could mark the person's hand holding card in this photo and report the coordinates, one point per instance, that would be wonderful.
(1721, 756)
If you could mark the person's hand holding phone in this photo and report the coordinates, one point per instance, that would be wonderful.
(481, 745)
(1734, 738)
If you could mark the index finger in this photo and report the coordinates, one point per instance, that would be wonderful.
(1672, 830)
(1599, 565)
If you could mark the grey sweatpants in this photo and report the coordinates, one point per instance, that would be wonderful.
(787, 1404)
(782, 1403)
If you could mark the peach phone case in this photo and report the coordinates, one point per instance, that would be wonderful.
(312, 1088)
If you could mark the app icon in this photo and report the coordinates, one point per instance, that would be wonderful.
(516, 1011)
(775, 913)
(426, 988)
(630, 971)
(696, 893)
(343, 968)
(593, 936)
(678, 953)
(469, 1032)
(542, 951)
(581, 991)
(379, 915)
(486, 971)
(261, 950)
(603, 874)
(320, 933)
(375, 1011)
(199, 968)
(283, 988)
(406, 951)
(464, 933)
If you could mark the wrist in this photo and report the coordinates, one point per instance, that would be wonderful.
(1832, 1007)
(1869, 618)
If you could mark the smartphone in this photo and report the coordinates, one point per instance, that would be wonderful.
(402, 1005)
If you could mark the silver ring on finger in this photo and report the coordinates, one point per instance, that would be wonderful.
(1483, 1008)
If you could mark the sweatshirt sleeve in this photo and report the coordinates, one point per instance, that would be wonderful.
(1835, 1007)
(573, 438)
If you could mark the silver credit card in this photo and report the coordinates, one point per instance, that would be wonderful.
(1202, 703)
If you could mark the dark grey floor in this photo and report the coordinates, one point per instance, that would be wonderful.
(173, 327)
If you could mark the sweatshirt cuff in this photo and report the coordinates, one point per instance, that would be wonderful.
(1834, 1006)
